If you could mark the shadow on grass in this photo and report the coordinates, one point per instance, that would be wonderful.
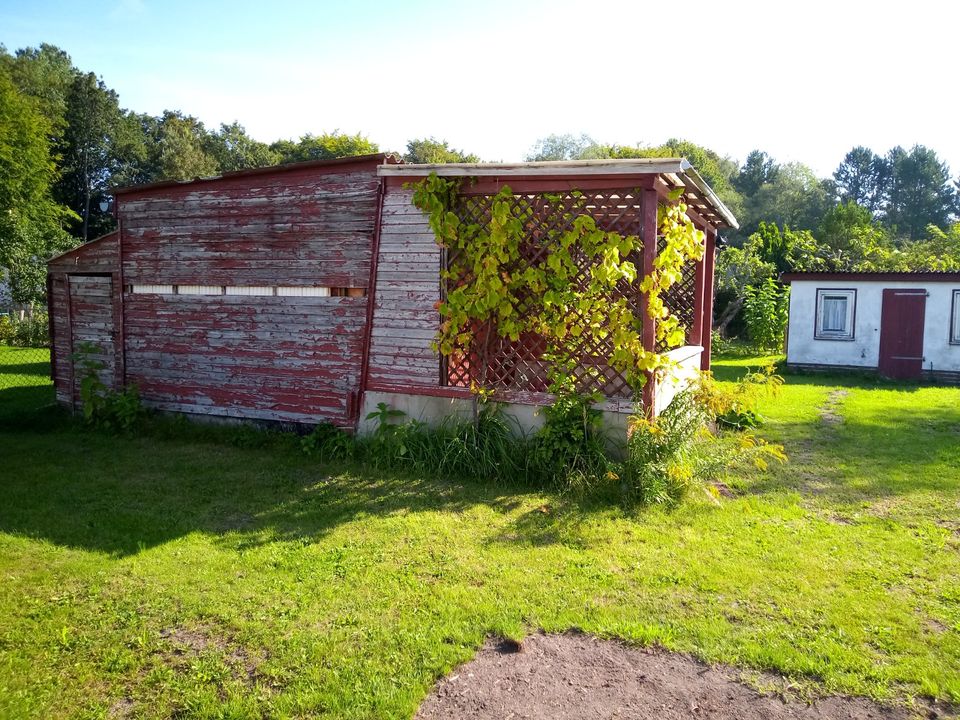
(120, 496)
(867, 459)
(19, 407)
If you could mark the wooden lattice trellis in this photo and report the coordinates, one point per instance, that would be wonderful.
(500, 364)
(681, 298)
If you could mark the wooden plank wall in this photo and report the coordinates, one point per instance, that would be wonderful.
(100, 259)
(275, 358)
(405, 316)
(92, 327)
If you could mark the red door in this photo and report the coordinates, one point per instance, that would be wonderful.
(901, 333)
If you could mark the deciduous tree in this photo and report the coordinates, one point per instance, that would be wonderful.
(432, 151)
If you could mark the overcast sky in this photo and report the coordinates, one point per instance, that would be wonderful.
(805, 81)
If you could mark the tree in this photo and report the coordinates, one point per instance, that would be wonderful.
(919, 192)
(45, 74)
(233, 149)
(758, 169)
(30, 221)
(323, 147)
(182, 141)
(718, 171)
(795, 197)
(92, 116)
(851, 239)
(565, 147)
(940, 250)
(860, 178)
(432, 151)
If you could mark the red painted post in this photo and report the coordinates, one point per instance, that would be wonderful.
(354, 416)
(695, 336)
(648, 234)
(709, 260)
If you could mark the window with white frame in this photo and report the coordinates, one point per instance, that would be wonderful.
(836, 311)
(955, 319)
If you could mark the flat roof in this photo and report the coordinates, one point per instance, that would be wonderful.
(676, 173)
(889, 276)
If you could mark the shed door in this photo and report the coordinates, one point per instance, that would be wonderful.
(91, 327)
(901, 333)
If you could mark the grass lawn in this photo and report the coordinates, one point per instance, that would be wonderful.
(156, 577)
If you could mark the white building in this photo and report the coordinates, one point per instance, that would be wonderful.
(900, 324)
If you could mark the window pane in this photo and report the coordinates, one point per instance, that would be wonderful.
(834, 314)
(955, 335)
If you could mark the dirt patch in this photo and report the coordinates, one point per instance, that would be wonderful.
(121, 709)
(182, 645)
(578, 676)
(830, 412)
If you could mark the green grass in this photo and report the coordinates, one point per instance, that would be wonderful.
(154, 577)
(24, 381)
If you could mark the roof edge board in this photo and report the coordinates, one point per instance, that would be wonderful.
(711, 197)
(640, 166)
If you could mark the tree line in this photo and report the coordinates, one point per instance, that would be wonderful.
(65, 141)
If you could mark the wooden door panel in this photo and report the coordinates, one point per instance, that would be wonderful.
(92, 327)
(901, 333)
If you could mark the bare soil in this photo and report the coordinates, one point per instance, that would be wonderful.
(573, 675)
(830, 412)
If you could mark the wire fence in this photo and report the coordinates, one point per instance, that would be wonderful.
(25, 382)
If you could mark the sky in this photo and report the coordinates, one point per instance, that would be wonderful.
(805, 81)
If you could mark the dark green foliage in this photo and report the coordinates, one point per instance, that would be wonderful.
(233, 149)
(328, 442)
(103, 408)
(860, 178)
(918, 192)
(757, 170)
(570, 444)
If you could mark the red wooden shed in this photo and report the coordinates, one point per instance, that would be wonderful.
(307, 292)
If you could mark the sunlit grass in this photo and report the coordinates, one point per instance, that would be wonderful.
(154, 577)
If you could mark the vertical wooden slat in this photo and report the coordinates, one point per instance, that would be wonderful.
(69, 312)
(648, 233)
(354, 411)
(50, 330)
(708, 286)
(120, 320)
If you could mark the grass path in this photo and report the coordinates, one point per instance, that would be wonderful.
(150, 577)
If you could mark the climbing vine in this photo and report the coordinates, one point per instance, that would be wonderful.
(489, 279)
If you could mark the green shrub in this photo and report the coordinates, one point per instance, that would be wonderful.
(487, 447)
(663, 461)
(736, 408)
(660, 467)
(328, 442)
(31, 331)
(104, 408)
(570, 449)
(766, 309)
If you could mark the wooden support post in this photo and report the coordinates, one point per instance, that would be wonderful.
(709, 260)
(695, 336)
(648, 234)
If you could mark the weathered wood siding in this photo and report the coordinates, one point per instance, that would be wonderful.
(405, 316)
(92, 328)
(84, 306)
(264, 357)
